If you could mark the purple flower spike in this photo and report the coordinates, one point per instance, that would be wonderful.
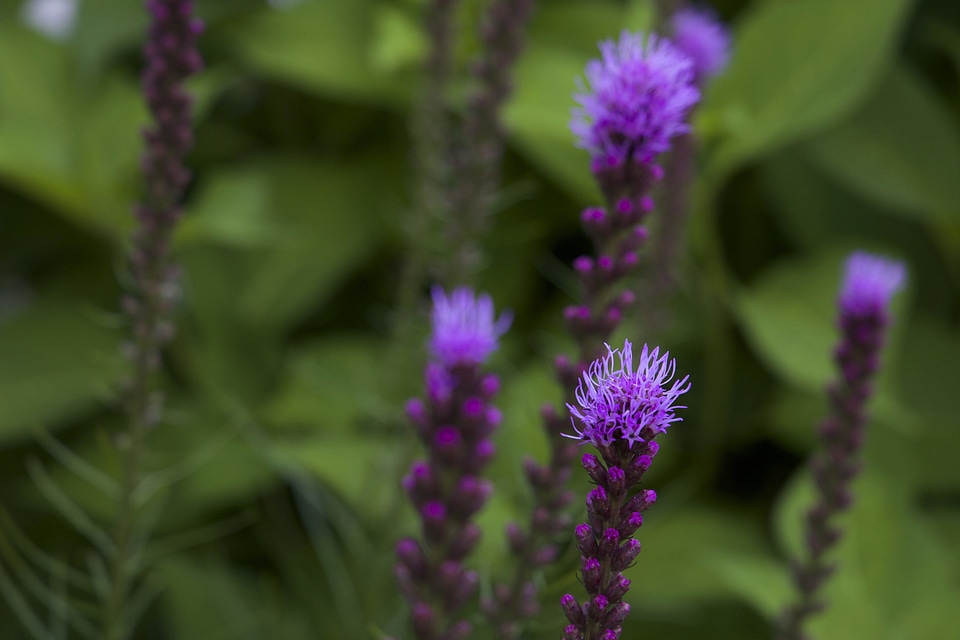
(869, 284)
(868, 287)
(464, 329)
(618, 402)
(455, 423)
(639, 95)
(621, 411)
(706, 41)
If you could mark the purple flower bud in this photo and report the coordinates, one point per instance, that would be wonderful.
(490, 386)
(424, 620)
(625, 555)
(630, 524)
(585, 540)
(594, 469)
(598, 503)
(464, 543)
(617, 589)
(592, 574)
(416, 412)
(616, 481)
(609, 543)
(598, 606)
(571, 609)
(583, 265)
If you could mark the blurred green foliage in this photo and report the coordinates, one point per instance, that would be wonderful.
(277, 467)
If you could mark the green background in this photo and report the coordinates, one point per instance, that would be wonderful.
(276, 469)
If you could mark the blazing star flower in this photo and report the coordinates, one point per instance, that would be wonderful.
(618, 402)
(640, 93)
(869, 284)
(464, 329)
(701, 35)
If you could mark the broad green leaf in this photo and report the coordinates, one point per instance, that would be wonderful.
(330, 386)
(232, 208)
(56, 365)
(678, 564)
(889, 562)
(333, 214)
(563, 37)
(365, 471)
(538, 117)
(797, 67)
(399, 41)
(209, 598)
(901, 149)
(325, 47)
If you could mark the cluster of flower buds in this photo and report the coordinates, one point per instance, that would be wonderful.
(171, 56)
(640, 94)
(621, 411)
(869, 285)
(455, 423)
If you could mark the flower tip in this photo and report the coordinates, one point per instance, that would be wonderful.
(700, 34)
(870, 282)
(464, 328)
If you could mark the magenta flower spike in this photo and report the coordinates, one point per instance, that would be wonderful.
(621, 410)
(637, 99)
(455, 423)
(869, 285)
(699, 34)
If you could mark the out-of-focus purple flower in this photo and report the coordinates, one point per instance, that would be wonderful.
(869, 284)
(638, 97)
(706, 41)
(620, 402)
(464, 329)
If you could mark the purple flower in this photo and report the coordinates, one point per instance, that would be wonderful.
(464, 329)
(706, 40)
(869, 284)
(639, 96)
(620, 402)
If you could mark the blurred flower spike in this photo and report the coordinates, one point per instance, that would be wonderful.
(464, 329)
(618, 402)
(869, 284)
(704, 39)
(639, 94)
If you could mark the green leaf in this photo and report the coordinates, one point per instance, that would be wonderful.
(330, 386)
(563, 37)
(364, 471)
(901, 149)
(327, 47)
(56, 365)
(797, 67)
(207, 598)
(679, 560)
(889, 562)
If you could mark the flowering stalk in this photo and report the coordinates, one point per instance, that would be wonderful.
(481, 145)
(455, 424)
(621, 411)
(700, 35)
(869, 284)
(639, 97)
(171, 56)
